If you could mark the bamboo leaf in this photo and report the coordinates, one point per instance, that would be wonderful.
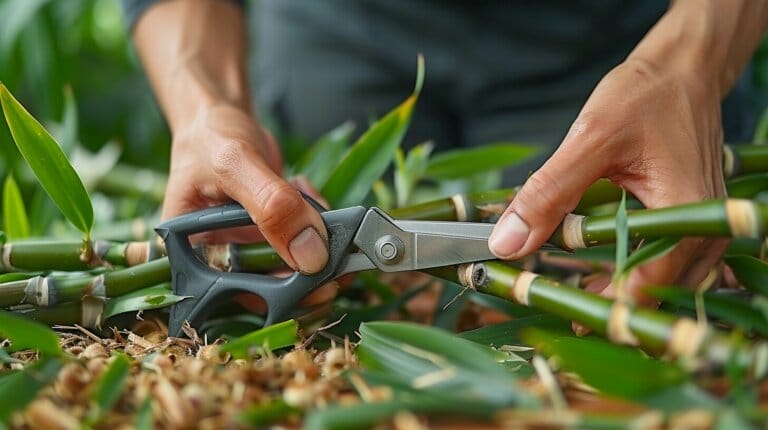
(15, 221)
(685, 396)
(49, 163)
(318, 162)
(18, 389)
(266, 413)
(22, 12)
(509, 333)
(724, 307)
(143, 419)
(435, 360)
(612, 369)
(369, 157)
(409, 170)
(109, 387)
(273, 337)
(731, 420)
(461, 163)
(27, 334)
(751, 272)
(140, 300)
(649, 252)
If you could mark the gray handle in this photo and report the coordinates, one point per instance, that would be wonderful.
(209, 288)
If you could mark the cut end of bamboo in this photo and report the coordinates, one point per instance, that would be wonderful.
(743, 218)
(473, 275)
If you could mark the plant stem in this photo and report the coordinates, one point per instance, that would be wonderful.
(744, 159)
(712, 218)
(30, 256)
(656, 332)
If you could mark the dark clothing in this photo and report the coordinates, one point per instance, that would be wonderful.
(496, 70)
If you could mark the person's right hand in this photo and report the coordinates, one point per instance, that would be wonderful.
(223, 155)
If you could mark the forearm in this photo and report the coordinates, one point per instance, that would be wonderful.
(194, 54)
(710, 40)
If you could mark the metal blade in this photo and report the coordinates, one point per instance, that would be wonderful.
(413, 245)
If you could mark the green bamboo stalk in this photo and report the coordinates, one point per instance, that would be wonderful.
(51, 290)
(127, 180)
(657, 332)
(744, 159)
(42, 255)
(736, 218)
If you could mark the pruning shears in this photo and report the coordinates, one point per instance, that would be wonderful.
(358, 239)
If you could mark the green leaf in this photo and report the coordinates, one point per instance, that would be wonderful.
(143, 419)
(681, 397)
(751, 272)
(652, 251)
(144, 299)
(719, 305)
(22, 12)
(461, 163)
(509, 333)
(109, 387)
(410, 170)
(266, 413)
(435, 360)
(318, 162)
(761, 131)
(27, 334)
(731, 420)
(18, 389)
(273, 337)
(49, 163)
(622, 236)
(369, 157)
(15, 222)
(615, 370)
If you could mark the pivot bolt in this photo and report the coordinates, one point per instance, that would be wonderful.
(389, 249)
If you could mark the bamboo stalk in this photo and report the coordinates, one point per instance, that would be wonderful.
(30, 256)
(51, 290)
(744, 159)
(747, 186)
(736, 218)
(656, 332)
(134, 181)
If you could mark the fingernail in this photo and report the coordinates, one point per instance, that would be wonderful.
(508, 236)
(309, 251)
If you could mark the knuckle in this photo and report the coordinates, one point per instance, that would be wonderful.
(225, 158)
(540, 195)
(278, 203)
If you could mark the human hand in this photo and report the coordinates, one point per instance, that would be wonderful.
(223, 154)
(655, 132)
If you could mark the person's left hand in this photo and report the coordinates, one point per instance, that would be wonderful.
(651, 129)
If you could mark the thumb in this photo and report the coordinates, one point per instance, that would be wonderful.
(288, 222)
(543, 201)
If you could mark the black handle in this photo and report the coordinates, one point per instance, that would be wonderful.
(209, 288)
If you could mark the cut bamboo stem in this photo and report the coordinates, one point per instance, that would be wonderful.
(655, 331)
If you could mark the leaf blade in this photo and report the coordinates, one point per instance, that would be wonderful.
(461, 163)
(27, 334)
(15, 220)
(274, 337)
(48, 162)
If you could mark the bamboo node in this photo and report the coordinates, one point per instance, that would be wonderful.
(618, 328)
(218, 256)
(7, 251)
(686, 338)
(137, 253)
(92, 312)
(730, 163)
(460, 205)
(139, 229)
(522, 287)
(573, 238)
(38, 292)
(760, 362)
(743, 219)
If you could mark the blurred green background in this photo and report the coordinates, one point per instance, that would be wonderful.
(48, 48)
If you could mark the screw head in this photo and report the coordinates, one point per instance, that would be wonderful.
(389, 249)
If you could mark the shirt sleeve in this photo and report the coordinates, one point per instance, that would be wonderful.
(133, 9)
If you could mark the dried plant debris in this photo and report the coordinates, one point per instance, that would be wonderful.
(185, 383)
